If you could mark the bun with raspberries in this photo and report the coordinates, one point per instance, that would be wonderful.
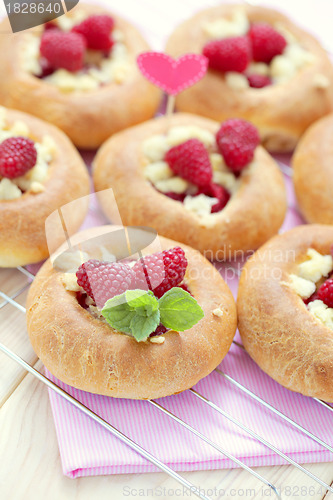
(285, 309)
(208, 185)
(135, 323)
(262, 68)
(40, 172)
(79, 73)
(313, 172)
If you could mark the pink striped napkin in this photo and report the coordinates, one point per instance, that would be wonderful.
(87, 449)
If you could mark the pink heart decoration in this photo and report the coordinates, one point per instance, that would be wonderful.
(172, 75)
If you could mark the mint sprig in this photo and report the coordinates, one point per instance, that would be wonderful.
(135, 312)
(138, 312)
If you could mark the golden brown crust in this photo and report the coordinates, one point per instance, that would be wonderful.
(22, 221)
(254, 213)
(88, 118)
(280, 334)
(88, 354)
(313, 172)
(281, 112)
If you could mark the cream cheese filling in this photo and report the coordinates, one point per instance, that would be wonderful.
(305, 282)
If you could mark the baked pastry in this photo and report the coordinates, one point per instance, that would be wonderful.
(83, 350)
(247, 197)
(263, 68)
(285, 309)
(40, 171)
(313, 172)
(76, 75)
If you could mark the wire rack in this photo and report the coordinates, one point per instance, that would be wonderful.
(195, 490)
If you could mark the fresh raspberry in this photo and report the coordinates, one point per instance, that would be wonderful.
(219, 192)
(259, 81)
(159, 331)
(81, 298)
(63, 50)
(228, 54)
(50, 26)
(97, 32)
(266, 42)
(222, 195)
(104, 280)
(237, 140)
(17, 156)
(325, 292)
(175, 196)
(160, 272)
(313, 297)
(47, 69)
(191, 161)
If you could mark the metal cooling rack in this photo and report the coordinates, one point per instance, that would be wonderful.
(153, 459)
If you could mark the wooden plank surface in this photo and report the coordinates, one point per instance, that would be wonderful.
(14, 335)
(31, 468)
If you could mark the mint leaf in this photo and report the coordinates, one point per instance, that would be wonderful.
(119, 316)
(142, 326)
(179, 310)
(135, 312)
(142, 301)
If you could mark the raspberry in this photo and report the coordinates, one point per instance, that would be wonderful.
(160, 272)
(159, 331)
(175, 196)
(97, 32)
(222, 195)
(191, 161)
(50, 26)
(63, 50)
(313, 297)
(228, 54)
(325, 292)
(47, 69)
(219, 192)
(237, 140)
(104, 280)
(266, 42)
(81, 298)
(259, 81)
(17, 156)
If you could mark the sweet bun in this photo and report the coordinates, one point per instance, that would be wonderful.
(254, 213)
(88, 354)
(22, 220)
(282, 111)
(313, 172)
(88, 116)
(283, 337)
